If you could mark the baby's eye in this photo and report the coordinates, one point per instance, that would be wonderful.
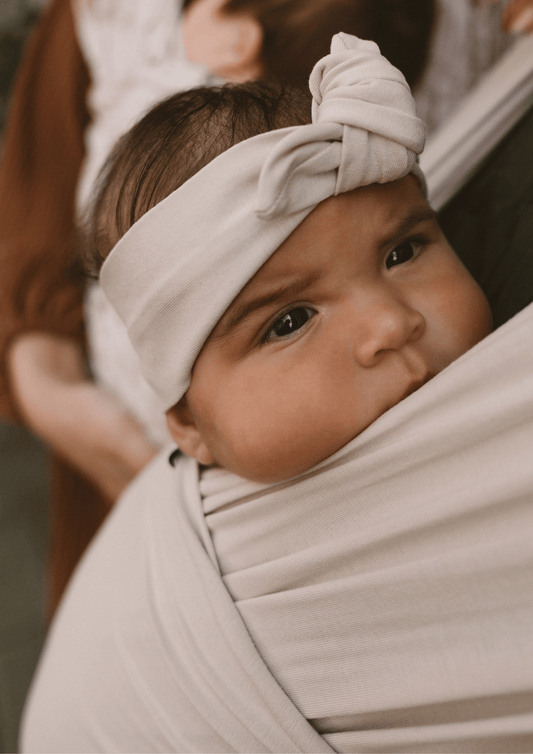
(402, 253)
(289, 323)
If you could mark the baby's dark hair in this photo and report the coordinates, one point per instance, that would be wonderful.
(175, 140)
(297, 33)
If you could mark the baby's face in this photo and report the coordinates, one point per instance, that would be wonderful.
(359, 307)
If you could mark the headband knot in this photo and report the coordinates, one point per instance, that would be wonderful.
(364, 131)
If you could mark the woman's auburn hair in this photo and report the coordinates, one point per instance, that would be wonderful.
(297, 33)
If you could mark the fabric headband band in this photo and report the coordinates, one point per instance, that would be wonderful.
(176, 271)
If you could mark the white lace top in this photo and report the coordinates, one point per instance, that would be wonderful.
(135, 53)
(134, 49)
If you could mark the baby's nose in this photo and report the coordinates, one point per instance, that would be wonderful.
(385, 323)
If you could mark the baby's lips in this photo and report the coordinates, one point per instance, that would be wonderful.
(417, 384)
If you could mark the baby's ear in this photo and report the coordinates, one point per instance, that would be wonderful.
(185, 433)
(229, 44)
(244, 52)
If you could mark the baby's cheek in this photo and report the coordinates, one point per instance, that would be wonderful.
(290, 429)
(475, 318)
(480, 315)
(459, 314)
(274, 438)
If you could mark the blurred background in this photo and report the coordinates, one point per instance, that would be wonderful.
(24, 492)
(23, 486)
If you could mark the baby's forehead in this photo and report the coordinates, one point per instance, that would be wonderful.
(362, 220)
(366, 215)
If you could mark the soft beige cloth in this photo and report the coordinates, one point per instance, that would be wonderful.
(466, 41)
(175, 272)
(481, 121)
(385, 595)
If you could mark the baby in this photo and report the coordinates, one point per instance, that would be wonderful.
(296, 347)
(287, 286)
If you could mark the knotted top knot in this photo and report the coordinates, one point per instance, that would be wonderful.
(364, 130)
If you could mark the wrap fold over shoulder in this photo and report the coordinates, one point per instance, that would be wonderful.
(384, 606)
(175, 272)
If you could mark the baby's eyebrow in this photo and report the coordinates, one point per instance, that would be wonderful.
(418, 215)
(246, 307)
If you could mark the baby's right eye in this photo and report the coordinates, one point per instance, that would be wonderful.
(289, 323)
(402, 253)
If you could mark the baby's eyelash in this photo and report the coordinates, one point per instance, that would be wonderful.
(421, 240)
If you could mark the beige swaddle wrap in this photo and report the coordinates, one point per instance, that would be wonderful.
(389, 590)
(387, 593)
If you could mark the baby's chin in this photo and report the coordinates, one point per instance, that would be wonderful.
(276, 471)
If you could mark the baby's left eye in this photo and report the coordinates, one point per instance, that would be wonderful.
(402, 253)
(289, 323)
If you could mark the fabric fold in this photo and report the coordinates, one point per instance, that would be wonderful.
(390, 585)
(410, 632)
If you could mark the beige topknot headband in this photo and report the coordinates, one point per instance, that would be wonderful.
(176, 271)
